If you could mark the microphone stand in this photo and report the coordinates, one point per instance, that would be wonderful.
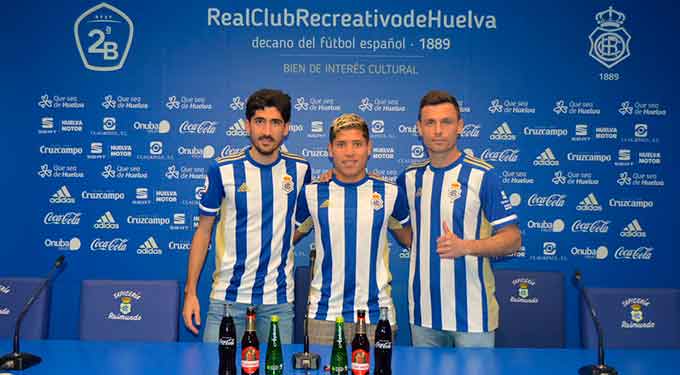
(601, 368)
(17, 360)
(306, 360)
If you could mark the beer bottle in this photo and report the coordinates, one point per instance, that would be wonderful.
(227, 344)
(250, 346)
(339, 352)
(361, 351)
(383, 345)
(273, 364)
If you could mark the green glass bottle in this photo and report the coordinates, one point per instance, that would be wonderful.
(339, 352)
(274, 362)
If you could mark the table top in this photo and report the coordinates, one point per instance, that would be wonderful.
(109, 358)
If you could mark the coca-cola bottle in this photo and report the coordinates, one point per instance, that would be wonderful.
(250, 346)
(361, 351)
(227, 344)
(383, 345)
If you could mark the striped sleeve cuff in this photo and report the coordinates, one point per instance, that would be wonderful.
(512, 219)
(208, 211)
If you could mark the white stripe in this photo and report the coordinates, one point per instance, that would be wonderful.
(336, 217)
(474, 290)
(301, 169)
(315, 286)
(362, 255)
(425, 231)
(447, 279)
(278, 229)
(409, 182)
(226, 225)
(503, 220)
(254, 226)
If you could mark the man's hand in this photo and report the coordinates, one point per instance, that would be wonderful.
(191, 312)
(326, 176)
(449, 245)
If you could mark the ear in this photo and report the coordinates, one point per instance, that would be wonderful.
(461, 126)
(420, 133)
(248, 127)
(370, 147)
(286, 128)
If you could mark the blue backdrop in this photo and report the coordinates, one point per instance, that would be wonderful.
(112, 112)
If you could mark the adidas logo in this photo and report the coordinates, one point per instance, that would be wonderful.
(243, 188)
(237, 129)
(62, 196)
(149, 247)
(502, 133)
(546, 159)
(589, 203)
(633, 229)
(325, 204)
(106, 222)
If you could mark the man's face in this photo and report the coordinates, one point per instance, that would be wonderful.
(350, 151)
(440, 125)
(267, 130)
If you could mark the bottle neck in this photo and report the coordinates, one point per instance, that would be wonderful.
(250, 323)
(383, 313)
(361, 326)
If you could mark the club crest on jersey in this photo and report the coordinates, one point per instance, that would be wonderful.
(523, 290)
(125, 305)
(287, 184)
(454, 191)
(377, 201)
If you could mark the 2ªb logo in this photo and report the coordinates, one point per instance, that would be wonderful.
(103, 35)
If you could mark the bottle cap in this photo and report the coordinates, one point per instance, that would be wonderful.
(275, 318)
(339, 319)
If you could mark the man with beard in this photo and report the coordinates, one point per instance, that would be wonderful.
(253, 193)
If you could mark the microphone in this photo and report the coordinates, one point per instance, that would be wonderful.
(306, 360)
(17, 360)
(601, 368)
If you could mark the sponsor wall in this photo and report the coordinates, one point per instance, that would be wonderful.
(114, 111)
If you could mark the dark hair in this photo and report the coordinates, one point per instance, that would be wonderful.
(348, 121)
(268, 98)
(435, 97)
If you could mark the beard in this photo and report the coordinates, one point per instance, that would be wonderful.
(267, 150)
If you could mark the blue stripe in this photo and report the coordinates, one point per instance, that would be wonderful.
(417, 313)
(379, 219)
(327, 263)
(435, 232)
(241, 231)
(266, 232)
(460, 271)
(350, 224)
(281, 296)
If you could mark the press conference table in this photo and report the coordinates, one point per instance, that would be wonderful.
(122, 358)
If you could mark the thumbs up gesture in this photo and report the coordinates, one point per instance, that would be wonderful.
(449, 245)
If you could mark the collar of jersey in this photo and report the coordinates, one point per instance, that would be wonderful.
(448, 167)
(258, 164)
(349, 184)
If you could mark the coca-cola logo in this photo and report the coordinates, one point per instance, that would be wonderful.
(116, 244)
(509, 155)
(204, 127)
(641, 253)
(470, 131)
(228, 341)
(383, 344)
(553, 200)
(597, 226)
(69, 218)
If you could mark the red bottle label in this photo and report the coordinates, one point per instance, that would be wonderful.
(361, 362)
(250, 359)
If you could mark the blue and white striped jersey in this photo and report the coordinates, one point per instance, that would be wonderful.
(447, 294)
(254, 255)
(350, 222)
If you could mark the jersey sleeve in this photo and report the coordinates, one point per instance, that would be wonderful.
(213, 192)
(495, 202)
(401, 212)
(302, 210)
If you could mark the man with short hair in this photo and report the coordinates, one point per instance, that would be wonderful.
(460, 217)
(253, 193)
(350, 215)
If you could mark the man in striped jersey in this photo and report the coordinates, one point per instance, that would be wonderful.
(460, 217)
(254, 194)
(350, 215)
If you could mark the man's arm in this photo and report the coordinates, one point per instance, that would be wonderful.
(403, 235)
(505, 241)
(191, 312)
